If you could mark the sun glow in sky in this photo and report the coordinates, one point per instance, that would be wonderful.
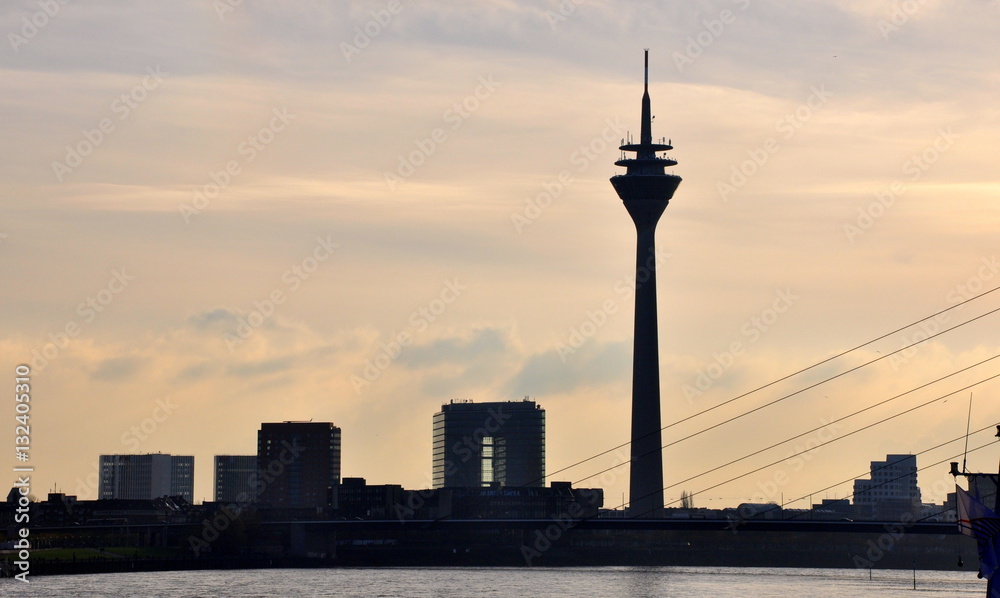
(217, 214)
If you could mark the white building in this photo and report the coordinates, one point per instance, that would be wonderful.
(891, 492)
(147, 476)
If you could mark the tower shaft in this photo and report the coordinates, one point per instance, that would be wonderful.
(646, 481)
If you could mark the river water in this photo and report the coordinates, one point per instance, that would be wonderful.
(603, 582)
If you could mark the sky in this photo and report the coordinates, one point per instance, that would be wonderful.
(219, 213)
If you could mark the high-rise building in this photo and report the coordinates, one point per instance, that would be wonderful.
(147, 476)
(298, 464)
(484, 444)
(645, 189)
(891, 492)
(236, 478)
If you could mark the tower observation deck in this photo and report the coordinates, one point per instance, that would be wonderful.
(645, 189)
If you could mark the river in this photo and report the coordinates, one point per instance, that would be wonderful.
(603, 582)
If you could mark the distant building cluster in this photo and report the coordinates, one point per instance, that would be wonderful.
(890, 494)
(297, 465)
(488, 462)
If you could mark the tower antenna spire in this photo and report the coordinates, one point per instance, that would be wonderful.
(645, 83)
(646, 129)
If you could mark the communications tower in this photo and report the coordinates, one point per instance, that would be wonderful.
(645, 189)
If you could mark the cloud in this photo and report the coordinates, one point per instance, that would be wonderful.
(595, 364)
(465, 348)
(215, 319)
(261, 368)
(119, 369)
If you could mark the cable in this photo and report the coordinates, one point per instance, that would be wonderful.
(781, 506)
(858, 476)
(743, 475)
(935, 464)
(786, 377)
(850, 415)
(915, 454)
(802, 370)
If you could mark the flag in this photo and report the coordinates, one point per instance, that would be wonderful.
(979, 521)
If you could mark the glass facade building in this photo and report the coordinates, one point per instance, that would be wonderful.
(489, 444)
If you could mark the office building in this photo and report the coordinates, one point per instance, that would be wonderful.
(358, 500)
(298, 464)
(146, 476)
(891, 492)
(236, 478)
(489, 444)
